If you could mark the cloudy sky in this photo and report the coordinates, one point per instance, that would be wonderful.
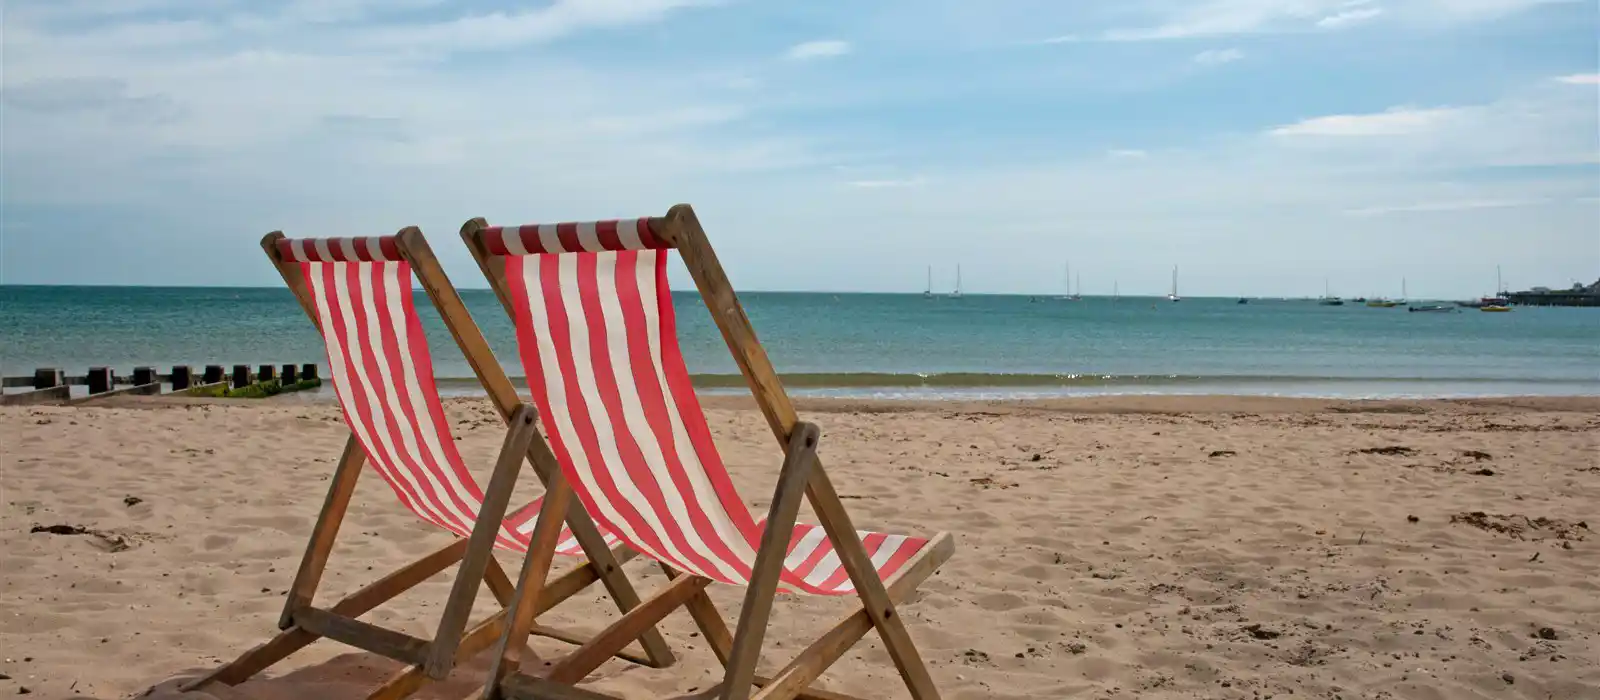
(1262, 145)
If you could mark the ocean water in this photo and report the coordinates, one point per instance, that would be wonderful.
(880, 345)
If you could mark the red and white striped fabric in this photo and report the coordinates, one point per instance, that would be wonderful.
(383, 374)
(599, 344)
(589, 237)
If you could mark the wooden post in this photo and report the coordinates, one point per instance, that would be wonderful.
(289, 375)
(182, 377)
(100, 380)
(144, 375)
(241, 376)
(48, 377)
(213, 374)
(266, 373)
(308, 370)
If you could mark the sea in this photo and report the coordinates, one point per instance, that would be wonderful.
(898, 346)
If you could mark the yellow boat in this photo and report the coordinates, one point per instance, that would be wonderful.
(1495, 308)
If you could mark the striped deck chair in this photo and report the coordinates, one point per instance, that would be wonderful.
(598, 341)
(358, 293)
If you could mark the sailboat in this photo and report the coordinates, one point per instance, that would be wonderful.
(1173, 295)
(1498, 302)
(928, 293)
(957, 293)
(1077, 294)
(1382, 303)
(1328, 299)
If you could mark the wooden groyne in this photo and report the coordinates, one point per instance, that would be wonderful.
(53, 385)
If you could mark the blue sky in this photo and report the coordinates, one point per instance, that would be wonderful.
(1262, 145)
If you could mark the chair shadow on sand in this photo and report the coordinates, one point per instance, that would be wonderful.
(345, 677)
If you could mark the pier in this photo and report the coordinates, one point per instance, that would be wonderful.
(1578, 294)
(49, 385)
(1554, 298)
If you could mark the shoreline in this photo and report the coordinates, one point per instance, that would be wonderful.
(1154, 404)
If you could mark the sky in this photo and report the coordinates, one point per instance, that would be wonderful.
(1266, 147)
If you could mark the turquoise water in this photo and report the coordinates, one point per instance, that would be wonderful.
(900, 345)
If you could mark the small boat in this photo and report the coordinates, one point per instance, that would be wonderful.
(1242, 300)
(1494, 308)
(1327, 298)
(1382, 303)
(928, 293)
(1434, 308)
(1359, 300)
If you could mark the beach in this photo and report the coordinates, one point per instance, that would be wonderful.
(1110, 547)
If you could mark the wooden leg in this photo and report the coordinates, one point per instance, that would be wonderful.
(500, 585)
(682, 228)
(594, 546)
(294, 639)
(706, 616)
(530, 583)
(768, 568)
(480, 547)
(874, 596)
(325, 532)
(622, 632)
(809, 664)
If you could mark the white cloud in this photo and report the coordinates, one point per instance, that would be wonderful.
(823, 48)
(1542, 124)
(1346, 18)
(1127, 153)
(1181, 20)
(881, 184)
(1448, 206)
(1394, 122)
(1217, 57)
(1580, 79)
(505, 29)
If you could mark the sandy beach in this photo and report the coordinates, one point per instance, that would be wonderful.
(1152, 547)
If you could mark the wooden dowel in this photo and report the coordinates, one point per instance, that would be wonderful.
(241, 376)
(144, 375)
(290, 374)
(266, 373)
(214, 374)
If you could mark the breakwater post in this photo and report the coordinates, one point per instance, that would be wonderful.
(53, 385)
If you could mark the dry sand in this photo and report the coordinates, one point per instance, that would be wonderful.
(1111, 548)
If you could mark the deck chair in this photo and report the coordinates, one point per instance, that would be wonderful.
(598, 342)
(358, 293)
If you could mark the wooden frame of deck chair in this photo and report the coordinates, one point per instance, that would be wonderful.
(597, 336)
(358, 293)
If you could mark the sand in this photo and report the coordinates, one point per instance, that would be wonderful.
(1195, 547)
